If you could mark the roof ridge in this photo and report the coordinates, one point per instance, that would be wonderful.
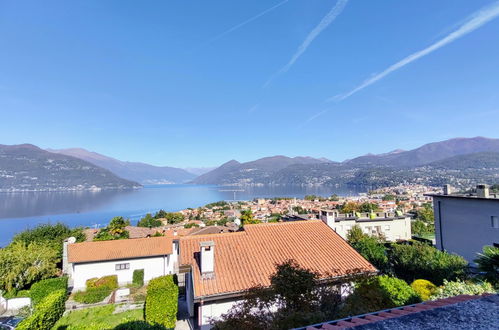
(238, 233)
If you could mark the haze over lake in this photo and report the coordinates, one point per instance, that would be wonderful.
(19, 211)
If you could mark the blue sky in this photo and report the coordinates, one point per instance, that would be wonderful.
(154, 81)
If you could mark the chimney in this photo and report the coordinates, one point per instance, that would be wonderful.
(447, 189)
(207, 254)
(482, 190)
(65, 264)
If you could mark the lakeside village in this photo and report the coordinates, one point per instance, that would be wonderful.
(332, 262)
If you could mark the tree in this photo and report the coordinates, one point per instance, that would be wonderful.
(296, 297)
(368, 207)
(334, 198)
(420, 228)
(488, 262)
(174, 217)
(374, 251)
(425, 214)
(161, 214)
(389, 197)
(247, 218)
(355, 234)
(149, 221)
(349, 207)
(22, 264)
(114, 230)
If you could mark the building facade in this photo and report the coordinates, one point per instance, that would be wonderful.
(392, 225)
(465, 223)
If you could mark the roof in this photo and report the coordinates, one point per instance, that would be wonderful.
(247, 258)
(460, 312)
(133, 232)
(119, 249)
(492, 197)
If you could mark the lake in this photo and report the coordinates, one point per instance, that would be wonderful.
(19, 211)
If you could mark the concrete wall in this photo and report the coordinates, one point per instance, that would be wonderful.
(153, 267)
(463, 225)
(14, 304)
(210, 310)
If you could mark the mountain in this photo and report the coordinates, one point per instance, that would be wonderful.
(26, 167)
(140, 172)
(254, 172)
(430, 152)
(199, 170)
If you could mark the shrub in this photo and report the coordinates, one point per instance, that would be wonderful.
(456, 288)
(423, 288)
(46, 313)
(138, 325)
(419, 260)
(161, 302)
(138, 277)
(380, 292)
(41, 289)
(109, 282)
(373, 250)
(488, 262)
(92, 295)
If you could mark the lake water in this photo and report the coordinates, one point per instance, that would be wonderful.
(19, 211)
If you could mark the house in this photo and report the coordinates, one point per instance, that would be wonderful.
(220, 268)
(464, 223)
(393, 226)
(157, 256)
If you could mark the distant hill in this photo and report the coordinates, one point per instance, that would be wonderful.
(430, 152)
(140, 172)
(199, 170)
(254, 172)
(26, 167)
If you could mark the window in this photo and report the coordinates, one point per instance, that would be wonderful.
(122, 266)
(495, 222)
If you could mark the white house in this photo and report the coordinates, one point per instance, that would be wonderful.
(157, 256)
(219, 268)
(393, 226)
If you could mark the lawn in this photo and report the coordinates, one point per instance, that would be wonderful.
(97, 318)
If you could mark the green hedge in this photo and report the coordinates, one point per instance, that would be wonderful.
(46, 313)
(138, 277)
(41, 289)
(161, 302)
(92, 295)
(110, 282)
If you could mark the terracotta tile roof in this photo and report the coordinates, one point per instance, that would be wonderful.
(360, 320)
(247, 258)
(119, 249)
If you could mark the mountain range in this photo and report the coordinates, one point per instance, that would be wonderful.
(134, 171)
(26, 167)
(460, 161)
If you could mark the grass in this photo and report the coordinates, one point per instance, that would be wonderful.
(97, 318)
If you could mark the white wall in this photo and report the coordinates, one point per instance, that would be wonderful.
(210, 310)
(392, 229)
(15, 304)
(153, 267)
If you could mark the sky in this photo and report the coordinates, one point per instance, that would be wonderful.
(198, 83)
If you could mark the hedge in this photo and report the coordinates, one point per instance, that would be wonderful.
(92, 295)
(109, 282)
(456, 288)
(138, 277)
(43, 288)
(46, 313)
(161, 302)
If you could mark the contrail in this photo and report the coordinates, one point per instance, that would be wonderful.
(475, 21)
(323, 24)
(237, 26)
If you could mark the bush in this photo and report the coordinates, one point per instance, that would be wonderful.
(161, 302)
(92, 295)
(138, 277)
(373, 250)
(41, 289)
(377, 293)
(109, 282)
(419, 260)
(46, 313)
(138, 325)
(488, 262)
(423, 288)
(456, 288)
